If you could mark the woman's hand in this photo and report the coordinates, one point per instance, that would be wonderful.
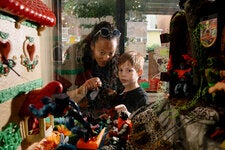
(81, 92)
(93, 83)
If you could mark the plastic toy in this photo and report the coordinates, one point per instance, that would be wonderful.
(62, 106)
(93, 143)
(34, 97)
(10, 137)
(184, 77)
(32, 128)
(118, 138)
(64, 145)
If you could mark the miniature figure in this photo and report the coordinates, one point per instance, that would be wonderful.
(120, 136)
(185, 76)
(62, 106)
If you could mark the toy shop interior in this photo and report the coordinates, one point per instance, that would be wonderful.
(112, 75)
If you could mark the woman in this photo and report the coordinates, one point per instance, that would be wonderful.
(92, 63)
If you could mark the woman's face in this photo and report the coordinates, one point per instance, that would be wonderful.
(104, 50)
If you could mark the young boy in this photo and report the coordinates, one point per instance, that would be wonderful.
(130, 69)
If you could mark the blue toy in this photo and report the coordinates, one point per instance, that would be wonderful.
(62, 106)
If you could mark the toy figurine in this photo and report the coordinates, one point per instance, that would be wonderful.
(62, 106)
(124, 129)
(34, 97)
(120, 136)
(64, 145)
(184, 77)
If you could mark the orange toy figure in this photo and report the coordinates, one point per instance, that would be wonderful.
(93, 143)
(124, 127)
(49, 142)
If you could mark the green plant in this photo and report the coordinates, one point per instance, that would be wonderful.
(98, 8)
(152, 47)
(89, 8)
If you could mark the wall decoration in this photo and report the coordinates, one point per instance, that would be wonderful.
(6, 64)
(34, 10)
(19, 79)
(13, 91)
(208, 32)
(27, 59)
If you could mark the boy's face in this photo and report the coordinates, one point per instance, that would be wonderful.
(127, 74)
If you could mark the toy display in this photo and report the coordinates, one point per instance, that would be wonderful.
(83, 129)
(34, 129)
(62, 106)
(33, 97)
(120, 133)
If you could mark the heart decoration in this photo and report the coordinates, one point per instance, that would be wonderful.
(28, 60)
(4, 49)
(31, 50)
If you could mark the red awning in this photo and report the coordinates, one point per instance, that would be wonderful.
(33, 10)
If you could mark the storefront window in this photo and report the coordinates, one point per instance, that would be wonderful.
(141, 23)
(78, 17)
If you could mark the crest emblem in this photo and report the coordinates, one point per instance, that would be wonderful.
(208, 32)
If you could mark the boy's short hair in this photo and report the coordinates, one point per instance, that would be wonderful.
(135, 58)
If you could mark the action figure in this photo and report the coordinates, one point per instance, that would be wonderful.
(120, 136)
(62, 106)
(184, 77)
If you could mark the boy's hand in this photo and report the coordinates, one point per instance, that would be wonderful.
(122, 108)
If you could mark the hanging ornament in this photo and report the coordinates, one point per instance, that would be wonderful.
(27, 59)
